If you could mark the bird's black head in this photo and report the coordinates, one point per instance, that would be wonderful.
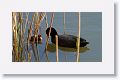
(53, 32)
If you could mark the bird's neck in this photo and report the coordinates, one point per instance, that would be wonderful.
(53, 38)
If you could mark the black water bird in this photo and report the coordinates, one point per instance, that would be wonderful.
(65, 40)
(34, 38)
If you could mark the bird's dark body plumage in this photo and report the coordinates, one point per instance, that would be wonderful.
(66, 40)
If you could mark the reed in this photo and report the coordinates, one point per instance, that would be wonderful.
(64, 23)
(29, 36)
(46, 52)
(26, 22)
(51, 23)
(18, 37)
(28, 42)
(34, 53)
(57, 56)
(21, 37)
(46, 21)
(29, 57)
(34, 24)
(15, 42)
(19, 23)
(78, 39)
(36, 27)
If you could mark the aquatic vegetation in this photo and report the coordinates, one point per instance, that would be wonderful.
(19, 25)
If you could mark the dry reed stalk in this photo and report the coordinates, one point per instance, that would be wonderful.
(29, 57)
(33, 19)
(46, 21)
(14, 29)
(37, 53)
(34, 53)
(57, 57)
(38, 18)
(36, 27)
(13, 55)
(28, 39)
(26, 22)
(35, 24)
(46, 39)
(47, 59)
(51, 23)
(21, 36)
(23, 24)
(41, 16)
(64, 22)
(78, 39)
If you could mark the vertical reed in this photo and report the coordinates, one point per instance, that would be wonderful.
(19, 24)
(26, 22)
(64, 25)
(29, 35)
(46, 21)
(46, 38)
(28, 41)
(78, 39)
(64, 22)
(29, 57)
(51, 23)
(21, 37)
(57, 57)
(47, 59)
(15, 42)
(36, 27)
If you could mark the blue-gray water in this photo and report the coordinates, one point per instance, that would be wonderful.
(91, 30)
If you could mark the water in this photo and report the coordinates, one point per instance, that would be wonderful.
(91, 30)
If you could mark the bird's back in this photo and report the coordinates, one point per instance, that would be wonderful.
(66, 41)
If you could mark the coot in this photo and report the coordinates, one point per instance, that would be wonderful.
(65, 40)
(35, 37)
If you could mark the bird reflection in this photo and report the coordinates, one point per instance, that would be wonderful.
(52, 48)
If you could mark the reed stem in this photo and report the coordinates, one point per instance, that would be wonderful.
(64, 23)
(51, 23)
(57, 59)
(15, 33)
(78, 39)
(46, 49)
(46, 21)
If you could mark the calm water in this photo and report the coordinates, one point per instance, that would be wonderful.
(91, 30)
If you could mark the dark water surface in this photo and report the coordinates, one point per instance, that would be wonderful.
(91, 30)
